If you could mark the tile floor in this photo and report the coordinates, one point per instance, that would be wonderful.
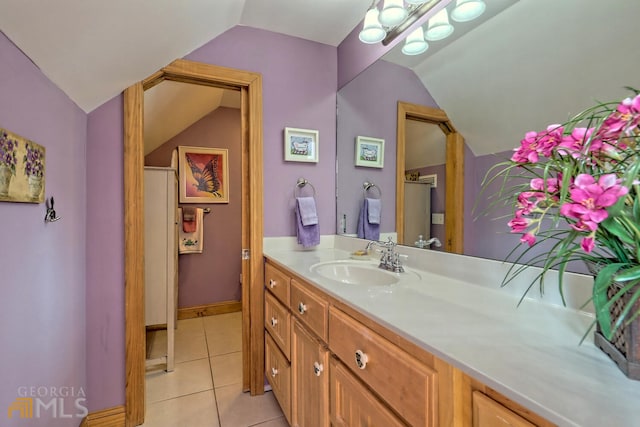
(205, 389)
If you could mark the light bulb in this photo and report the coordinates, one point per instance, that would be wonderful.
(467, 10)
(415, 43)
(372, 31)
(392, 13)
(439, 27)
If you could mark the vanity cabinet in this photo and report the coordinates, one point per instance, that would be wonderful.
(278, 374)
(309, 379)
(489, 413)
(277, 323)
(407, 385)
(310, 308)
(329, 364)
(491, 409)
(352, 404)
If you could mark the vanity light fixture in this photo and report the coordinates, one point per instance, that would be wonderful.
(415, 44)
(467, 10)
(439, 27)
(394, 18)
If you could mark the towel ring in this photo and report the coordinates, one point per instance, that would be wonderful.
(370, 185)
(300, 184)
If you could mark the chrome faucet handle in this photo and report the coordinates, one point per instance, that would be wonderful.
(396, 265)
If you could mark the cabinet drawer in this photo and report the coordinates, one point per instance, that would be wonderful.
(310, 309)
(353, 405)
(402, 381)
(277, 282)
(277, 321)
(278, 372)
(489, 413)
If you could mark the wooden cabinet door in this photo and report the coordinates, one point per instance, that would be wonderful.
(309, 379)
(489, 413)
(353, 405)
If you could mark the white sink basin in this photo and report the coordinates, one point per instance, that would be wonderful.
(356, 273)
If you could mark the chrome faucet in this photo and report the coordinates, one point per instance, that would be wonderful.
(390, 259)
(421, 243)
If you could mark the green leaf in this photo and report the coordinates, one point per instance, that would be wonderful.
(628, 274)
(600, 299)
(615, 228)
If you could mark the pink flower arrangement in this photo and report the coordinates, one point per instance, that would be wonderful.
(576, 186)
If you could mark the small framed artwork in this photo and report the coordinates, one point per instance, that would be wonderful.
(300, 145)
(22, 165)
(369, 152)
(204, 174)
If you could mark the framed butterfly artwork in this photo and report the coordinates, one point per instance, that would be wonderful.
(204, 174)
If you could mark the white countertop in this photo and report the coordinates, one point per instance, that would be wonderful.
(530, 353)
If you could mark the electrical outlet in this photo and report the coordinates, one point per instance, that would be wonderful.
(437, 218)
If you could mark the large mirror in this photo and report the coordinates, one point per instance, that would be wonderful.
(526, 65)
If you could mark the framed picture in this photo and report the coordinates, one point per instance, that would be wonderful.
(369, 152)
(204, 174)
(21, 169)
(300, 145)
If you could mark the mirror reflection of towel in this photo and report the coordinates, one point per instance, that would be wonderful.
(369, 219)
(307, 227)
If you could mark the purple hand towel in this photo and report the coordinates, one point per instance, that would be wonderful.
(373, 210)
(307, 226)
(367, 229)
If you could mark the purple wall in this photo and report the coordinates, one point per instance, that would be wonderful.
(368, 106)
(485, 236)
(105, 256)
(299, 90)
(42, 307)
(214, 275)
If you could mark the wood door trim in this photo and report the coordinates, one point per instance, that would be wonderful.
(454, 191)
(250, 85)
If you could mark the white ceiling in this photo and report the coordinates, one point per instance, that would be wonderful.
(425, 145)
(93, 50)
(171, 107)
(535, 63)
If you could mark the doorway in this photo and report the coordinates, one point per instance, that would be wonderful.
(454, 172)
(250, 86)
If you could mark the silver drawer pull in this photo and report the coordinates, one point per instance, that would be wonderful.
(302, 307)
(317, 368)
(274, 372)
(274, 322)
(272, 283)
(361, 359)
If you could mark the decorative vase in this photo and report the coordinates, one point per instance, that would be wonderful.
(5, 180)
(624, 346)
(35, 186)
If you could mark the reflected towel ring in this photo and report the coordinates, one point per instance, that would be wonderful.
(370, 185)
(300, 184)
